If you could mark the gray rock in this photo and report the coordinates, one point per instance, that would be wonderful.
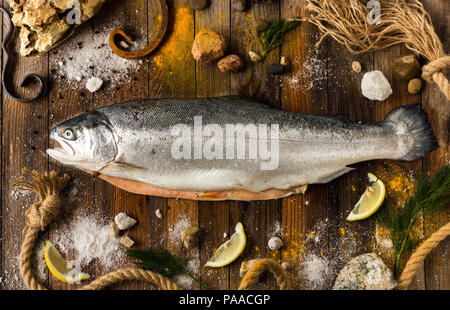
(365, 272)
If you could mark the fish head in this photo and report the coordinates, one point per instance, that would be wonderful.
(87, 142)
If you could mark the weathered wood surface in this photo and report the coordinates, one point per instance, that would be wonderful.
(313, 225)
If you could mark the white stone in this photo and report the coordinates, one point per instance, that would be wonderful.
(375, 86)
(275, 243)
(124, 44)
(254, 57)
(123, 221)
(158, 213)
(94, 84)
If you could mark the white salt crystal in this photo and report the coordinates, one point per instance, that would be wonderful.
(275, 243)
(90, 240)
(124, 44)
(158, 213)
(123, 221)
(88, 54)
(94, 84)
(375, 86)
(316, 270)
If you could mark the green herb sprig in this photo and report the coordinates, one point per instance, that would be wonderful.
(273, 37)
(163, 262)
(430, 195)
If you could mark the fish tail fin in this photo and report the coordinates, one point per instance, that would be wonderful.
(411, 124)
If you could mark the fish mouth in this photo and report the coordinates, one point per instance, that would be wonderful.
(62, 150)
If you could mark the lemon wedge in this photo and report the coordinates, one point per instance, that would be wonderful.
(230, 250)
(370, 200)
(58, 266)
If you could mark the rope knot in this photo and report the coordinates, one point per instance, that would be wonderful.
(43, 213)
(439, 65)
(48, 187)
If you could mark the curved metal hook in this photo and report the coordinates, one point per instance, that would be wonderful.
(149, 48)
(29, 78)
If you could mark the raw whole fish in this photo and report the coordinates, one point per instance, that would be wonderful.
(229, 147)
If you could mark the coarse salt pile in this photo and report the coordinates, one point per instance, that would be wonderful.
(175, 231)
(313, 73)
(88, 55)
(185, 281)
(316, 271)
(90, 238)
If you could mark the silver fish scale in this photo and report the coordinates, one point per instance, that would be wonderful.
(312, 149)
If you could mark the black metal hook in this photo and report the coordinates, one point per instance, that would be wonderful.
(29, 78)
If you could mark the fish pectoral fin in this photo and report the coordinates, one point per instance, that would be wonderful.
(333, 174)
(116, 168)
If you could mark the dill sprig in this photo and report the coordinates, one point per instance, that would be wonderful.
(273, 37)
(163, 262)
(429, 196)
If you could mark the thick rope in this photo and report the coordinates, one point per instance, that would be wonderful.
(435, 72)
(25, 260)
(252, 270)
(416, 260)
(129, 274)
(48, 187)
(400, 23)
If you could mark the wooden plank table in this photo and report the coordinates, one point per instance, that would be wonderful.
(317, 239)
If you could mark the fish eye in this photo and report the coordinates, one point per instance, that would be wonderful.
(69, 135)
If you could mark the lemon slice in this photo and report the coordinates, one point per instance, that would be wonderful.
(230, 250)
(58, 266)
(370, 200)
